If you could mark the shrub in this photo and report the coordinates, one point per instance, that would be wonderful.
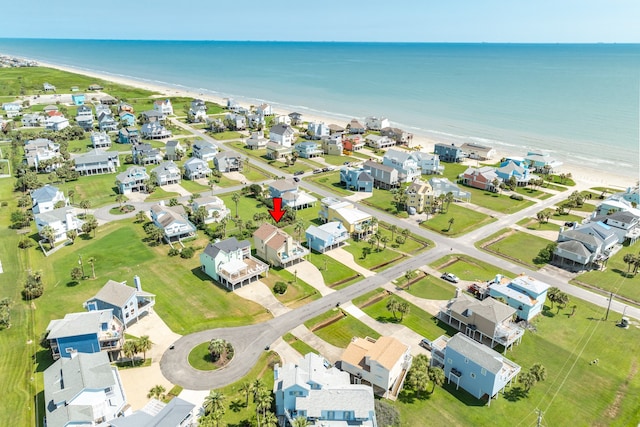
(386, 415)
(187, 253)
(517, 197)
(280, 288)
(5, 313)
(174, 252)
(25, 243)
(33, 287)
(4, 203)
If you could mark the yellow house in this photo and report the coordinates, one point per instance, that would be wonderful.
(419, 195)
(357, 222)
(276, 247)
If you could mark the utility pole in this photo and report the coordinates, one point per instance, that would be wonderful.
(539, 423)
(606, 316)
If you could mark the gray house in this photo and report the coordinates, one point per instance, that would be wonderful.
(167, 173)
(383, 176)
(97, 162)
(145, 154)
(204, 150)
(173, 150)
(586, 246)
(195, 168)
(228, 161)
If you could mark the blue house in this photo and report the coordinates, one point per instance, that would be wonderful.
(326, 236)
(128, 303)
(479, 370)
(511, 168)
(127, 118)
(308, 149)
(356, 179)
(524, 293)
(90, 332)
(449, 153)
(78, 99)
(280, 187)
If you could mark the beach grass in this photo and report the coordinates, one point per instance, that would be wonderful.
(468, 268)
(465, 220)
(516, 246)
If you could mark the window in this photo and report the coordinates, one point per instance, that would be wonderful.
(466, 360)
(472, 375)
(331, 415)
(483, 372)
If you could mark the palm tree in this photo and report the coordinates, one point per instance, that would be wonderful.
(156, 233)
(216, 347)
(270, 420)
(539, 372)
(552, 293)
(365, 251)
(156, 392)
(48, 233)
(451, 221)
(72, 235)
(263, 401)
(298, 228)
(85, 204)
(245, 388)
(403, 308)
(236, 199)
(528, 380)
(629, 259)
(120, 199)
(393, 229)
(71, 193)
(256, 386)
(141, 216)
(393, 306)
(129, 349)
(384, 240)
(92, 260)
(300, 422)
(223, 225)
(562, 299)
(436, 375)
(540, 217)
(214, 402)
(212, 182)
(377, 236)
(144, 344)
(418, 380)
(448, 198)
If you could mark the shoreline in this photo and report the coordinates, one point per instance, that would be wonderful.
(579, 173)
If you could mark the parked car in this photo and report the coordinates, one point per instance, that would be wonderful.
(327, 169)
(426, 344)
(347, 163)
(317, 171)
(569, 224)
(296, 173)
(296, 179)
(450, 277)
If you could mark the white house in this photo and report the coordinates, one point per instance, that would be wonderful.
(163, 106)
(282, 134)
(61, 220)
(45, 198)
(376, 123)
(56, 123)
(215, 207)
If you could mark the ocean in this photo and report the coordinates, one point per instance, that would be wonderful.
(579, 102)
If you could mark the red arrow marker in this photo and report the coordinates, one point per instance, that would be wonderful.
(277, 212)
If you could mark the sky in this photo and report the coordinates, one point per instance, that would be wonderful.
(504, 21)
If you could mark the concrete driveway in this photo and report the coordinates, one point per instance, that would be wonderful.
(310, 274)
(346, 258)
(260, 293)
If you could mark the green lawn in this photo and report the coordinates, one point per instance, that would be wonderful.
(516, 246)
(194, 187)
(99, 190)
(465, 220)
(255, 174)
(574, 393)
(300, 346)
(222, 136)
(160, 194)
(298, 292)
(340, 332)
(468, 268)
(453, 170)
(564, 218)
(530, 192)
(330, 181)
(533, 224)
(378, 260)
(430, 287)
(383, 200)
(496, 202)
(200, 358)
(417, 319)
(333, 272)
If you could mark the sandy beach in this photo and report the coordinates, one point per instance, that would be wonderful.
(579, 173)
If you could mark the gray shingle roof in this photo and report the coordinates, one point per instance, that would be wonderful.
(226, 246)
(45, 194)
(75, 324)
(115, 293)
(482, 355)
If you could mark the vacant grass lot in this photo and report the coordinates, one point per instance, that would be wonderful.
(517, 246)
(530, 192)
(330, 181)
(465, 220)
(468, 268)
(430, 287)
(298, 292)
(340, 332)
(333, 272)
(379, 257)
(496, 202)
(533, 224)
(300, 346)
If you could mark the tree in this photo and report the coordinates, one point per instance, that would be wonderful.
(92, 260)
(90, 224)
(403, 308)
(298, 228)
(129, 349)
(256, 386)
(144, 344)
(245, 388)
(214, 402)
(236, 199)
(384, 240)
(552, 294)
(392, 306)
(156, 392)
(539, 372)
(541, 218)
(217, 347)
(33, 286)
(393, 229)
(71, 194)
(200, 215)
(417, 377)
(49, 234)
(85, 204)
(141, 216)
(629, 259)
(448, 198)
(451, 221)
(72, 235)
(120, 199)
(386, 414)
(562, 299)
(155, 233)
(76, 274)
(270, 420)
(528, 380)
(263, 402)
(212, 182)
(300, 422)
(436, 375)
(173, 202)
(366, 251)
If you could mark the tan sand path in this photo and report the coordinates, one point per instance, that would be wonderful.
(260, 293)
(329, 351)
(346, 258)
(310, 274)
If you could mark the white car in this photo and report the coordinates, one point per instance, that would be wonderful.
(450, 277)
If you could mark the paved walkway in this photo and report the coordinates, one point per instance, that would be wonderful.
(346, 258)
(310, 274)
(287, 353)
(260, 293)
(329, 351)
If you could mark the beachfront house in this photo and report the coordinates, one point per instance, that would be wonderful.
(163, 106)
(173, 221)
(311, 388)
(352, 142)
(356, 179)
(195, 168)
(378, 142)
(197, 112)
(48, 87)
(100, 140)
(308, 149)
(318, 130)
(134, 179)
(214, 207)
(398, 135)
(276, 247)
(282, 134)
(384, 176)
(86, 332)
(167, 173)
(484, 178)
(174, 150)
(264, 110)
(228, 161)
(229, 262)
(60, 220)
(479, 370)
(429, 164)
(176, 413)
(585, 247)
(56, 123)
(404, 162)
(83, 391)
(358, 223)
(419, 196)
(488, 321)
(108, 100)
(296, 118)
(381, 363)
(282, 119)
(33, 120)
(128, 135)
(204, 150)
(256, 141)
(477, 151)
(154, 130)
(127, 303)
(524, 293)
(47, 198)
(12, 109)
(144, 154)
(444, 186)
(150, 116)
(542, 162)
(97, 162)
(325, 237)
(95, 86)
(449, 153)
(376, 123)
(510, 168)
